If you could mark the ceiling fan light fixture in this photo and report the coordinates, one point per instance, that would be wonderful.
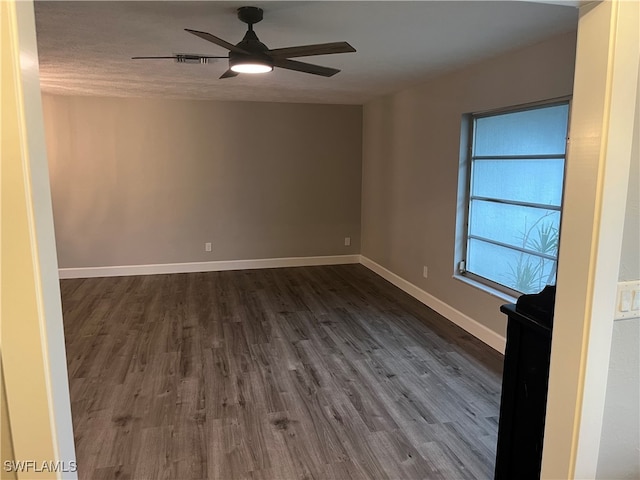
(252, 56)
(250, 64)
(251, 68)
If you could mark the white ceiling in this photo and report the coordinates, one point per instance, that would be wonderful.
(85, 47)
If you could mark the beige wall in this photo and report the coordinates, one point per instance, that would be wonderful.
(595, 197)
(35, 393)
(6, 442)
(630, 258)
(141, 181)
(411, 158)
(620, 446)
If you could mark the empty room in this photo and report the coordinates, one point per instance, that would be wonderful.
(329, 240)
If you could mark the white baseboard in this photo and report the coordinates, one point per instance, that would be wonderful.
(486, 335)
(125, 270)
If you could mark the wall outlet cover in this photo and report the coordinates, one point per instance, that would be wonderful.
(628, 300)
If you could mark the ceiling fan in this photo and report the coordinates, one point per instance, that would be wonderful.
(253, 56)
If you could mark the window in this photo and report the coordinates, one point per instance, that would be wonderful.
(516, 175)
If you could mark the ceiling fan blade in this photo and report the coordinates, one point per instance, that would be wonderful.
(229, 74)
(177, 57)
(305, 67)
(218, 41)
(148, 58)
(309, 50)
(192, 58)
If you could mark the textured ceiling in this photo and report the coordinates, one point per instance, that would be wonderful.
(85, 47)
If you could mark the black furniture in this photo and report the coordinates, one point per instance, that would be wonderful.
(524, 386)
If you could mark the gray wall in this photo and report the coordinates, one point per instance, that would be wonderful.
(139, 181)
(620, 443)
(411, 159)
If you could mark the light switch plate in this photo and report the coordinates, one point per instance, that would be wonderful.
(628, 300)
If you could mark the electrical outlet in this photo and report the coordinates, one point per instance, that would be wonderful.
(425, 272)
(207, 247)
(347, 241)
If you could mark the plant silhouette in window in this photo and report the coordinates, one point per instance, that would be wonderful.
(528, 274)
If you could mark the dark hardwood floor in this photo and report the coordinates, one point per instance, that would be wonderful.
(294, 373)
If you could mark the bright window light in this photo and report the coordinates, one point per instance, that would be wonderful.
(515, 197)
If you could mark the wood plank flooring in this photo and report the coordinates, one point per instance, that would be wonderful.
(294, 373)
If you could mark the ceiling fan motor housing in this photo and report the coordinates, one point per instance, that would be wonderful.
(257, 51)
(250, 15)
(251, 44)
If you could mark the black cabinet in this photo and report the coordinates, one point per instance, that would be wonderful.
(524, 386)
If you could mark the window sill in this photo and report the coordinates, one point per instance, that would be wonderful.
(485, 288)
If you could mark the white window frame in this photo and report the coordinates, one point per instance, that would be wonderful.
(463, 235)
